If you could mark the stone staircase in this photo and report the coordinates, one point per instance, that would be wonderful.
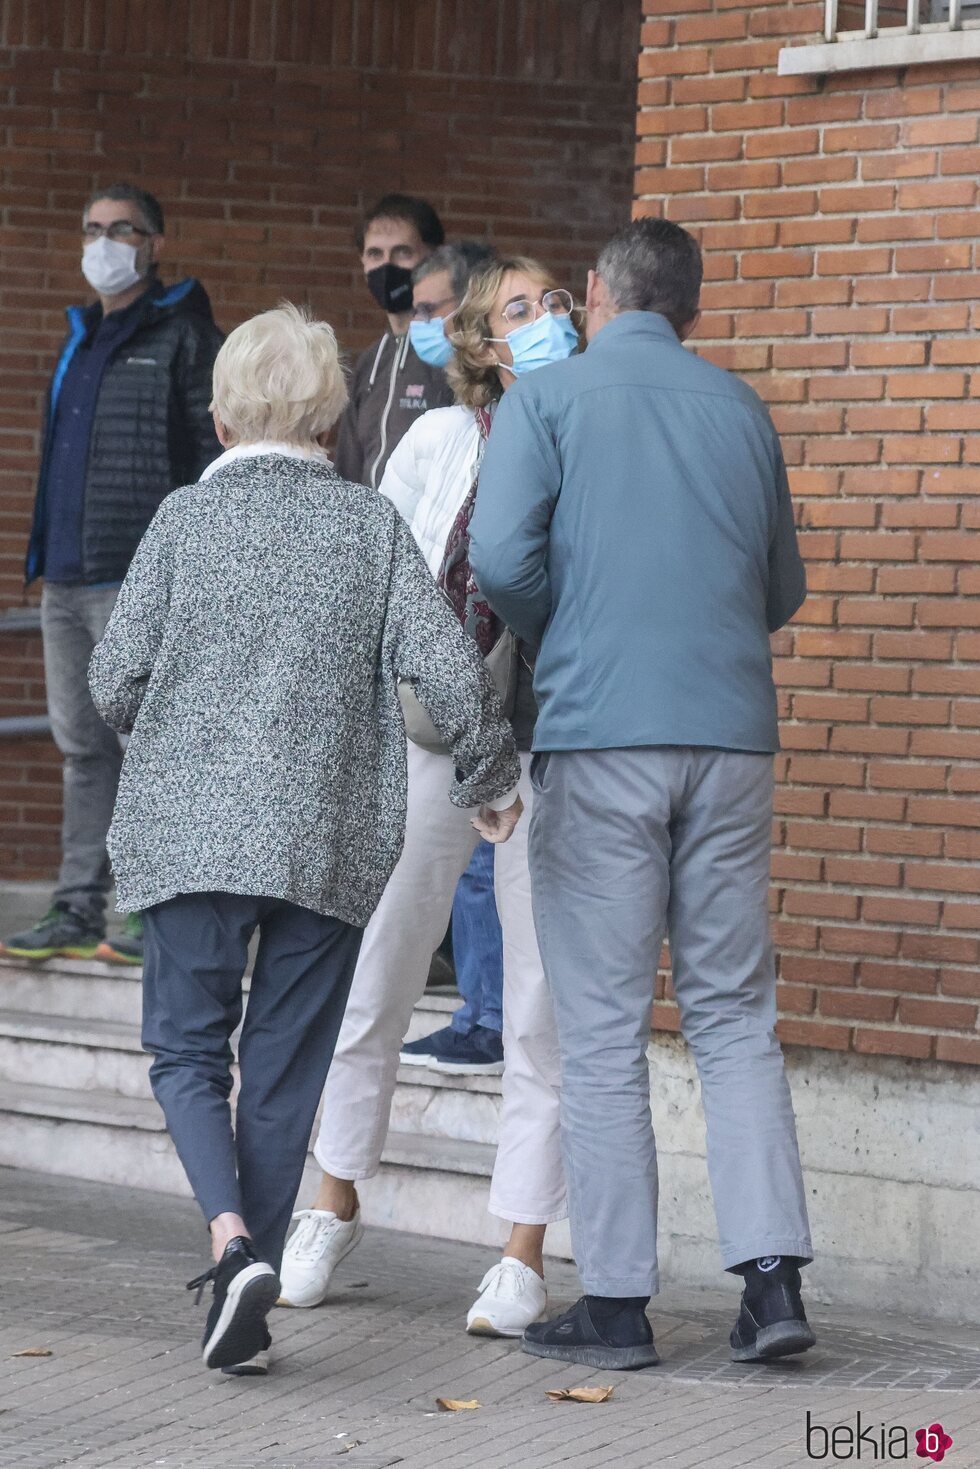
(889, 1147)
(75, 1100)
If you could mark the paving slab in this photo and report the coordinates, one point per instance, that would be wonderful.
(95, 1275)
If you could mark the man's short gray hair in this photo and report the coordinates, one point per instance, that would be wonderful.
(653, 265)
(147, 203)
(462, 260)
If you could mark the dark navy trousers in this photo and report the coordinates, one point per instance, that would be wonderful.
(196, 948)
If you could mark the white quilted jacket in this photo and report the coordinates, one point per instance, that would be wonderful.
(430, 474)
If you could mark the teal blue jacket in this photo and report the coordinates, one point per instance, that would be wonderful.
(633, 520)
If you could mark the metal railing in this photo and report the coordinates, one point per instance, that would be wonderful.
(21, 726)
(949, 17)
(888, 38)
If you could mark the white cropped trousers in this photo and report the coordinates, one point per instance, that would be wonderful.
(528, 1180)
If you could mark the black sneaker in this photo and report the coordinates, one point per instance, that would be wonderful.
(61, 932)
(257, 1366)
(125, 947)
(574, 1337)
(771, 1321)
(245, 1290)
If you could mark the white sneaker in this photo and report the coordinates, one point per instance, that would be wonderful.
(512, 1296)
(312, 1254)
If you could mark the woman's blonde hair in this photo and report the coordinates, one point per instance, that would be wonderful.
(278, 378)
(471, 377)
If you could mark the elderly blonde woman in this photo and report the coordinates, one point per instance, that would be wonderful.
(513, 319)
(254, 654)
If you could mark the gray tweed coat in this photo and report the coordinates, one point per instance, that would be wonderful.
(254, 653)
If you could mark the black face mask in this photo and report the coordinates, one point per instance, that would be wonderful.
(391, 287)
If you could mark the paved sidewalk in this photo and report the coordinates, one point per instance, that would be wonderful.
(95, 1274)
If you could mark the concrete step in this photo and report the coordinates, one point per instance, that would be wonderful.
(88, 989)
(106, 1056)
(432, 1104)
(75, 1100)
(427, 1185)
(82, 988)
(79, 1055)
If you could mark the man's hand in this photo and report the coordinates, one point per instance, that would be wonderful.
(498, 826)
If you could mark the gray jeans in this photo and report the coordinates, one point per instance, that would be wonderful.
(73, 619)
(625, 845)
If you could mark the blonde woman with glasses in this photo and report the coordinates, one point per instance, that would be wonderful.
(514, 319)
(254, 654)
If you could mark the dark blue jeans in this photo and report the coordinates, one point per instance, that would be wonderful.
(196, 953)
(478, 946)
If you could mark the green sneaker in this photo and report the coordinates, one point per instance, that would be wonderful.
(125, 947)
(61, 932)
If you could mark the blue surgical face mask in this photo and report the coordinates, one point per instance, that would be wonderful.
(430, 341)
(548, 338)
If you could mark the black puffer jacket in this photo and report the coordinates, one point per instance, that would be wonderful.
(152, 430)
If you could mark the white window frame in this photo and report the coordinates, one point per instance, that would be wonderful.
(954, 38)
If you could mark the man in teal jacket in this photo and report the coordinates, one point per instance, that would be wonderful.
(634, 520)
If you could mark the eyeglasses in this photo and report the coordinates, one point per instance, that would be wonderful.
(428, 310)
(522, 311)
(119, 229)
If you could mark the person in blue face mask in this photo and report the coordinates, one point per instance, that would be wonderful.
(474, 1037)
(514, 316)
(438, 285)
(536, 332)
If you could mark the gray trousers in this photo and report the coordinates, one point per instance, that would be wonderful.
(196, 952)
(625, 845)
(73, 620)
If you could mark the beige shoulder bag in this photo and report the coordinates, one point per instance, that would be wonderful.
(502, 663)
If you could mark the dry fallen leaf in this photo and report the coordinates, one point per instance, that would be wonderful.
(579, 1394)
(34, 1352)
(457, 1405)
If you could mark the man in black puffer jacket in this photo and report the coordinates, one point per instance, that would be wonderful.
(127, 421)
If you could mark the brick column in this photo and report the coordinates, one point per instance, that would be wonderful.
(839, 224)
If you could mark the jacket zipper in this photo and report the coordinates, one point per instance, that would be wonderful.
(398, 362)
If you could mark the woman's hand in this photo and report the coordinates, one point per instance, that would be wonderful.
(498, 826)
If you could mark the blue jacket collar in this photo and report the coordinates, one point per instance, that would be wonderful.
(634, 323)
(157, 295)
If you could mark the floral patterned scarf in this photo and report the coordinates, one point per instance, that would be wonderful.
(455, 575)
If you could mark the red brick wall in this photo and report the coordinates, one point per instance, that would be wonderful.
(839, 223)
(265, 126)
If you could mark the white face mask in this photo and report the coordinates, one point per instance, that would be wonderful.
(109, 266)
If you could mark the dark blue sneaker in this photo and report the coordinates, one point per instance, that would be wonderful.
(479, 1053)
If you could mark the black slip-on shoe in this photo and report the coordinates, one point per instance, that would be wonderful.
(771, 1319)
(245, 1290)
(574, 1337)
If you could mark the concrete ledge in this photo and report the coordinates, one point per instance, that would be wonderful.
(855, 52)
(891, 1156)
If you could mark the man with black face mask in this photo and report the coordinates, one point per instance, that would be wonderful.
(391, 385)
